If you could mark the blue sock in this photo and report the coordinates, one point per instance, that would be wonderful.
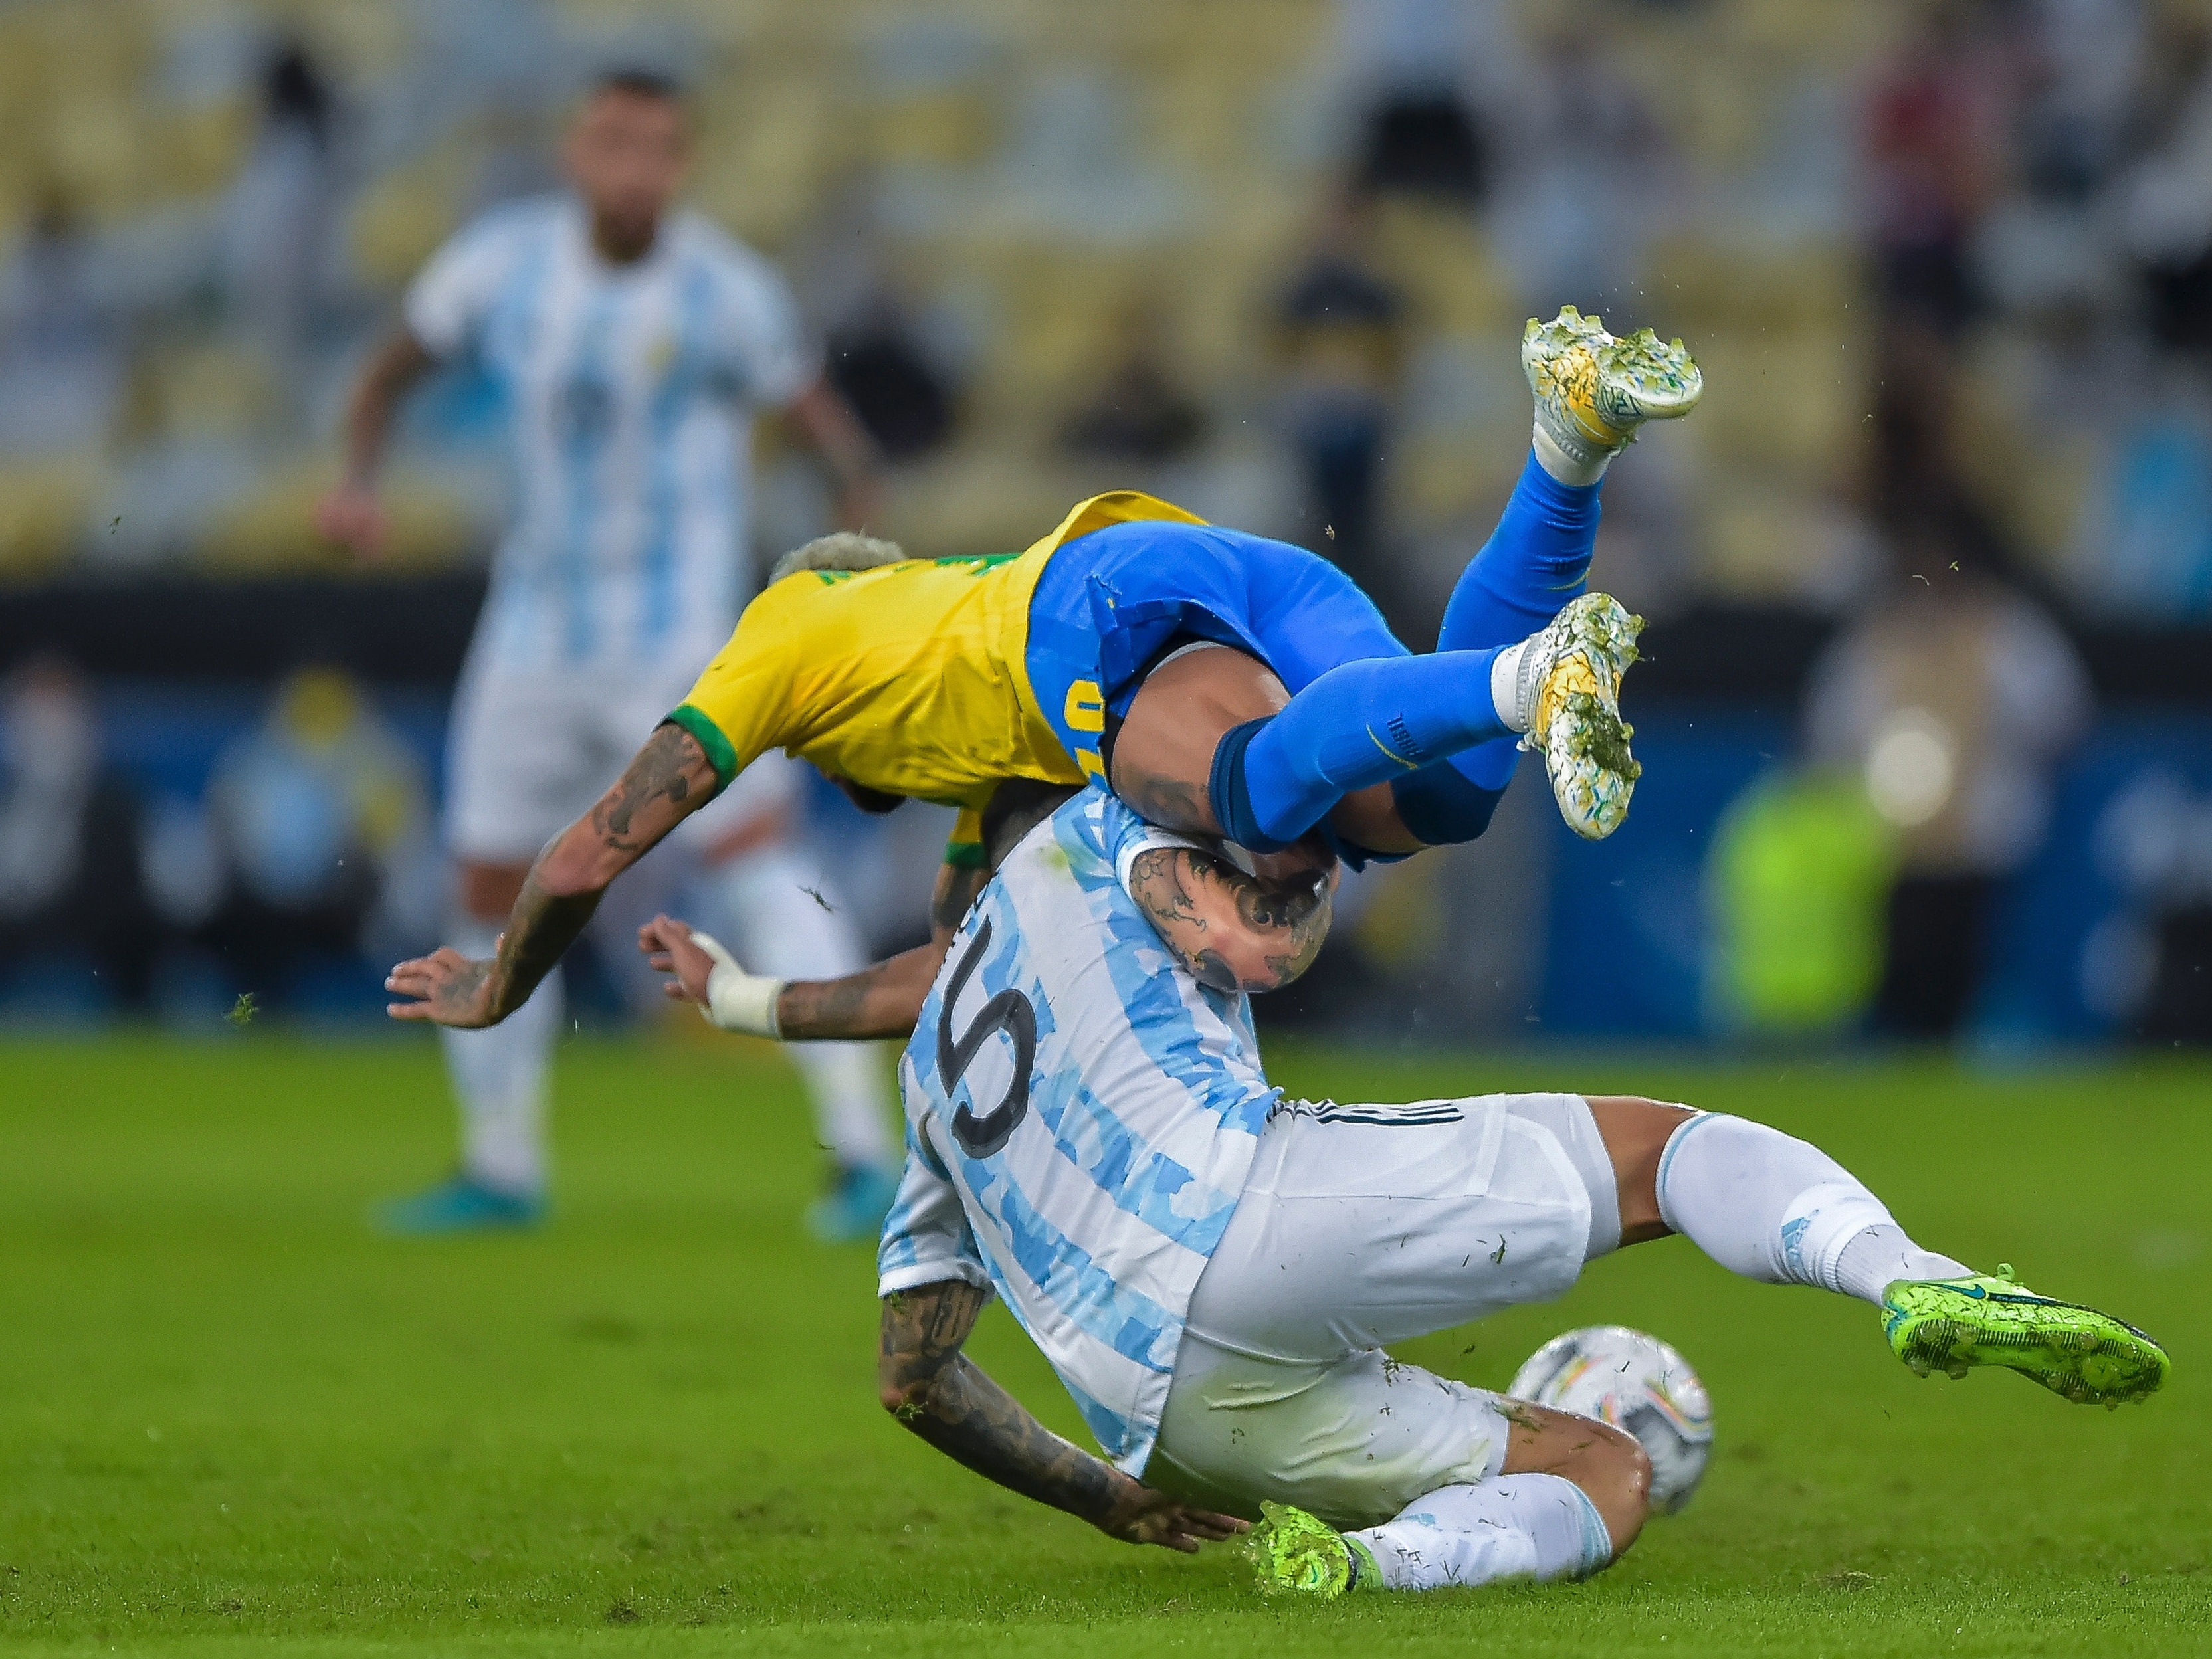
(1367, 722)
(1536, 561)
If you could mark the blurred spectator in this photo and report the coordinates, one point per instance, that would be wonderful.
(1409, 61)
(1799, 881)
(1341, 326)
(278, 243)
(61, 358)
(1139, 411)
(1585, 181)
(1935, 136)
(2166, 201)
(879, 365)
(2145, 545)
(321, 816)
(1955, 698)
(72, 903)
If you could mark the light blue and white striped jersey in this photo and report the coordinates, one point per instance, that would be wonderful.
(630, 391)
(1081, 1116)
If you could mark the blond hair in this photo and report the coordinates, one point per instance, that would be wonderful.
(842, 550)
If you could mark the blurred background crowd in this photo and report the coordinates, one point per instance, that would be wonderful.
(1927, 708)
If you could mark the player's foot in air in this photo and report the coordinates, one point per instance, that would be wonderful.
(461, 1205)
(1568, 692)
(1297, 1553)
(1593, 391)
(1992, 1319)
(854, 1207)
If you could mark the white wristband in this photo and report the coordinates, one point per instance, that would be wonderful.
(738, 1000)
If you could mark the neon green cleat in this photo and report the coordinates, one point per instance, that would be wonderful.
(1568, 698)
(1593, 391)
(1297, 1553)
(1950, 1324)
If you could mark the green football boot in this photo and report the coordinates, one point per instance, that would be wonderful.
(1992, 1319)
(1297, 1553)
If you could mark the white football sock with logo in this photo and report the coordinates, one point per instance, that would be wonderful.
(1776, 1209)
(1511, 1526)
(498, 1078)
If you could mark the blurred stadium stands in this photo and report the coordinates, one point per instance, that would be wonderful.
(1948, 266)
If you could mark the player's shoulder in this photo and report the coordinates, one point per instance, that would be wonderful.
(519, 221)
(702, 242)
(1079, 840)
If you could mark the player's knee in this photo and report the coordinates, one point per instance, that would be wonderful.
(1636, 1131)
(1614, 1472)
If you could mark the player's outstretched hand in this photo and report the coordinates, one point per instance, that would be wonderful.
(352, 516)
(448, 988)
(670, 949)
(1142, 1516)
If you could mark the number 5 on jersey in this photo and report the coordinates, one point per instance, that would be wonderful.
(1008, 1011)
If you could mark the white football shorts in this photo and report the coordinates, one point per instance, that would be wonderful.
(1358, 1226)
(529, 750)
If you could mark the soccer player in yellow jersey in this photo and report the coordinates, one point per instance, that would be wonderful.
(1219, 683)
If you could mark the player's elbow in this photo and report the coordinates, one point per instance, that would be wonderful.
(578, 863)
(904, 1397)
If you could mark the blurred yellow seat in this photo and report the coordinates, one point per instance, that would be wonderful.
(43, 508)
(271, 528)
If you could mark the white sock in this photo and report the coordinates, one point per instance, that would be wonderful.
(1566, 466)
(1505, 686)
(1880, 1255)
(793, 924)
(499, 1077)
(851, 1102)
(1512, 1526)
(1776, 1209)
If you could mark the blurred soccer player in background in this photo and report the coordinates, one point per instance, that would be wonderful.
(635, 345)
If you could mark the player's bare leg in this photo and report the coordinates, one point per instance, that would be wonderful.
(1572, 1498)
(1164, 755)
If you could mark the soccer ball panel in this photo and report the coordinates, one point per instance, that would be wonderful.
(1634, 1382)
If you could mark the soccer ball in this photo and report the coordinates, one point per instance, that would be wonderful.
(1636, 1383)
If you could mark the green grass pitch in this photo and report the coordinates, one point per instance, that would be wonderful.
(233, 1420)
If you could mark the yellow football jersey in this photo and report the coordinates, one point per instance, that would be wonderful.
(910, 678)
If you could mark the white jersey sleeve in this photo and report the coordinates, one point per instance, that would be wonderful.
(926, 1239)
(451, 296)
(773, 355)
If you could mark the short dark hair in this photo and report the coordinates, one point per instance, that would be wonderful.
(635, 80)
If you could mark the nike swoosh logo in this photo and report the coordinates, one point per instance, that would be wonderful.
(1411, 766)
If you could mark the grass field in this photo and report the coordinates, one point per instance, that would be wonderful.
(228, 1414)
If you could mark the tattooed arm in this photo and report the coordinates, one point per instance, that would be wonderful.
(1231, 931)
(670, 779)
(935, 1390)
(883, 1000)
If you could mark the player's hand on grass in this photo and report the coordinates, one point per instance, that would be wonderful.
(1142, 1516)
(351, 516)
(671, 948)
(447, 988)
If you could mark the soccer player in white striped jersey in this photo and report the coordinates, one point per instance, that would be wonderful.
(1215, 1271)
(635, 345)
